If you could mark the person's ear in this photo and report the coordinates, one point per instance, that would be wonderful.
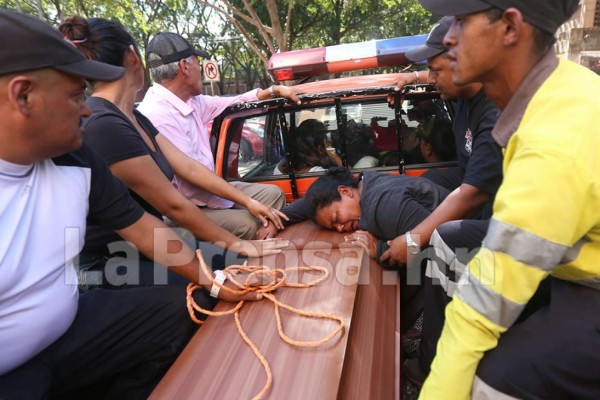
(427, 148)
(345, 191)
(133, 55)
(184, 66)
(513, 22)
(20, 90)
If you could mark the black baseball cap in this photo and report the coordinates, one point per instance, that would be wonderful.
(434, 45)
(30, 44)
(171, 47)
(546, 15)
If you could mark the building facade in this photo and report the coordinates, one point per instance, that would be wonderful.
(579, 38)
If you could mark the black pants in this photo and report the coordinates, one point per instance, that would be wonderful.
(552, 354)
(126, 339)
(453, 244)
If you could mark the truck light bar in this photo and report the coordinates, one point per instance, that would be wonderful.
(344, 57)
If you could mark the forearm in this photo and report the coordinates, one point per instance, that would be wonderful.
(162, 245)
(191, 217)
(298, 211)
(265, 94)
(462, 203)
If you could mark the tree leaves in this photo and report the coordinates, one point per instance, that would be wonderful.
(243, 34)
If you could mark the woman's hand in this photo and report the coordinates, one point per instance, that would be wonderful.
(365, 240)
(258, 248)
(266, 232)
(264, 213)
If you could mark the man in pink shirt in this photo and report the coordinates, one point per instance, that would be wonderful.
(178, 110)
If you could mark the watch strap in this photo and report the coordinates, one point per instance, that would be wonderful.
(220, 278)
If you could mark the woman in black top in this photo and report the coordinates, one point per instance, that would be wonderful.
(140, 156)
(382, 206)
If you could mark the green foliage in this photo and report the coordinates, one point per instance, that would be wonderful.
(314, 23)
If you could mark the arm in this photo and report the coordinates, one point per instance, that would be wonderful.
(111, 206)
(408, 78)
(296, 212)
(142, 175)
(212, 106)
(482, 178)
(521, 248)
(148, 234)
(461, 203)
(200, 176)
(279, 91)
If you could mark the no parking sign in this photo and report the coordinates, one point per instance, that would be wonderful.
(211, 71)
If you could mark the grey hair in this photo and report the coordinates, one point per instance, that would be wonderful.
(165, 72)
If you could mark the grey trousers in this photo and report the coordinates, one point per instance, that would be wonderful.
(239, 221)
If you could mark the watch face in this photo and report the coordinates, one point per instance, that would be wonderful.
(413, 249)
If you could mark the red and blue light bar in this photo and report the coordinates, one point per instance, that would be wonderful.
(343, 57)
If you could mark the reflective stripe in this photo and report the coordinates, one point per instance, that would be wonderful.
(591, 283)
(433, 271)
(483, 391)
(573, 252)
(524, 246)
(444, 258)
(490, 304)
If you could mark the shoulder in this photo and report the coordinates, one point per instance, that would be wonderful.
(483, 113)
(84, 157)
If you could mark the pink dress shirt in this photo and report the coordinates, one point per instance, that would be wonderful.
(183, 123)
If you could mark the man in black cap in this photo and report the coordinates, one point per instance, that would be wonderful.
(55, 342)
(473, 183)
(180, 112)
(549, 128)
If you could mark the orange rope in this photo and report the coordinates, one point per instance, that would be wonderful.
(279, 280)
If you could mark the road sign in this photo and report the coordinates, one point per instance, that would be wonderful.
(211, 71)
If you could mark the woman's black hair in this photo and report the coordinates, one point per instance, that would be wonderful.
(324, 190)
(309, 146)
(438, 133)
(99, 39)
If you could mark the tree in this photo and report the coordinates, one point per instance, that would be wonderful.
(270, 26)
(243, 34)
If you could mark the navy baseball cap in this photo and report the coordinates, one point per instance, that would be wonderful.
(29, 44)
(434, 45)
(546, 15)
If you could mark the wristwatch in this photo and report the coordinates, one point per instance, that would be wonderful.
(220, 278)
(272, 92)
(413, 247)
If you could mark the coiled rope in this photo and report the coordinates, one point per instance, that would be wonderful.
(279, 280)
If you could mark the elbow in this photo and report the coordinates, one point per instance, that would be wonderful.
(175, 212)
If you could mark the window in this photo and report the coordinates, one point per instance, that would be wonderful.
(358, 132)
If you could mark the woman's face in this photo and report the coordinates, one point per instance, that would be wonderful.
(341, 215)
